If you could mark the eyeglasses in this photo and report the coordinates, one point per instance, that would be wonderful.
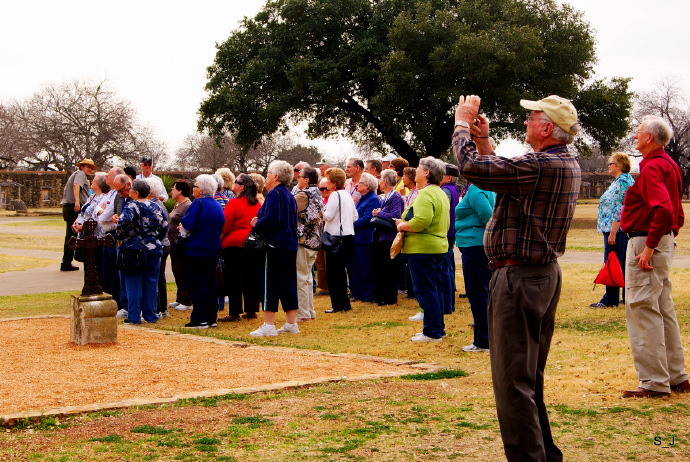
(535, 118)
(297, 170)
(612, 163)
(323, 189)
(146, 164)
(196, 186)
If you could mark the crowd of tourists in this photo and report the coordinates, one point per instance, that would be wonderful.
(380, 228)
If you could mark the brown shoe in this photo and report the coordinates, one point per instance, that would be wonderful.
(681, 387)
(640, 392)
(229, 319)
(249, 316)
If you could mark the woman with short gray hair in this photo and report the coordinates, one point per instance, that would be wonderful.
(204, 222)
(277, 220)
(362, 283)
(426, 243)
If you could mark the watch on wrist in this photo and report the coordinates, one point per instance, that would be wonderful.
(462, 123)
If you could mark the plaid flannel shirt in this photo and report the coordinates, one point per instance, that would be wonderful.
(536, 194)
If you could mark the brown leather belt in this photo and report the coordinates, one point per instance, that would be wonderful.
(498, 264)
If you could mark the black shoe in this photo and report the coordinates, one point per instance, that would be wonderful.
(127, 321)
(69, 268)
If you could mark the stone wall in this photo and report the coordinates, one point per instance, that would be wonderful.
(44, 189)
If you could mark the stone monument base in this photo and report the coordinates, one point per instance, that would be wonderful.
(93, 319)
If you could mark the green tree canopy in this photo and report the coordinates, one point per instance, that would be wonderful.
(389, 72)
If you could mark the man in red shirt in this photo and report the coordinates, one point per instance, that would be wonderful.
(652, 215)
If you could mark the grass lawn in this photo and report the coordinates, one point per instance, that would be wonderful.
(393, 419)
(19, 263)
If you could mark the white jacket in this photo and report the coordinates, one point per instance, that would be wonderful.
(348, 214)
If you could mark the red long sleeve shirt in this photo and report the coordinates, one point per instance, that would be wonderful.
(652, 204)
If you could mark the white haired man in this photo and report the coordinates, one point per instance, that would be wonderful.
(147, 172)
(536, 194)
(652, 216)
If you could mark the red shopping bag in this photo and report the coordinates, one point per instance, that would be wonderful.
(611, 274)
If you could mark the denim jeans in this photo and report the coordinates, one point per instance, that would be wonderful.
(362, 284)
(428, 288)
(111, 275)
(201, 278)
(612, 295)
(142, 289)
(475, 271)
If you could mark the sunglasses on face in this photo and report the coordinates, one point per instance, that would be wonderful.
(146, 164)
(323, 189)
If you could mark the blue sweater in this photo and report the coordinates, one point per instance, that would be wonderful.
(204, 227)
(364, 230)
(278, 218)
(471, 216)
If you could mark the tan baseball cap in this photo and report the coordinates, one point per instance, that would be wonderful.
(560, 110)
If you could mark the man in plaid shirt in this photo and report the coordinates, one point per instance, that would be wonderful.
(536, 195)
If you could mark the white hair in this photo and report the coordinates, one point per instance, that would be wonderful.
(282, 169)
(154, 186)
(369, 180)
(207, 184)
(390, 177)
(659, 128)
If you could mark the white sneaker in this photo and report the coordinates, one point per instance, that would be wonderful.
(420, 337)
(121, 314)
(289, 329)
(183, 307)
(473, 349)
(172, 305)
(163, 314)
(417, 317)
(266, 330)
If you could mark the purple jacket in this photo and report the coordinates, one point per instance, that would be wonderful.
(392, 208)
(453, 194)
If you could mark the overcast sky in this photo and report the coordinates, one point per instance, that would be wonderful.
(155, 53)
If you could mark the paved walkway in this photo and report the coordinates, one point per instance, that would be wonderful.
(51, 279)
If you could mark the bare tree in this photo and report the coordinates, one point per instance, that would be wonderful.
(63, 124)
(200, 152)
(668, 101)
(12, 138)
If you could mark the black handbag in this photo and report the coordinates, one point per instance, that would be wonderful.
(385, 225)
(131, 261)
(329, 242)
(256, 241)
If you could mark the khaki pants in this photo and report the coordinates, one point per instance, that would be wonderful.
(305, 287)
(654, 334)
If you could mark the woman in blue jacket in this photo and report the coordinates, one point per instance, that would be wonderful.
(362, 274)
(277, 218)
(204, 222)
(471, 216)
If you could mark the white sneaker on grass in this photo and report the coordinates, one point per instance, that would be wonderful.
(172, 305)
(121, 314)
(417, 317)
(474, 349)
(183, 307)
(420, 337)
(289, 329)
(266, 330)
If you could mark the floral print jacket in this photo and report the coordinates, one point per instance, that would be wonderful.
(611, 202)
(141, 223)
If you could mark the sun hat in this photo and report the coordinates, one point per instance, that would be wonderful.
(560, 110)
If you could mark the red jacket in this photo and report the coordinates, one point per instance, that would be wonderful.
(238, 217)
(652, 204)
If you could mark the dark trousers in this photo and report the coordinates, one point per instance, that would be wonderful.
(201, 276)
(612, 296)
(321, 278)
(180, 273)
(111, 275)
(281, 280)
(241, 280)
(162, 283)
(337, 275)
(476, 273)
(386, 272)
(522, 310)
(362, 284)
(428, 288)
(70, 216)
(448, 281)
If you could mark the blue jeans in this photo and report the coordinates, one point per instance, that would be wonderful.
(111, 275)
(448, 281)
(428, 288)
(142, 289)
(475, 271)
(612, 295)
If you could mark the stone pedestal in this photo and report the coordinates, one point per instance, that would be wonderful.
(93, 319)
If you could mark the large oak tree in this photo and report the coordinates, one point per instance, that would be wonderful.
(388, 72)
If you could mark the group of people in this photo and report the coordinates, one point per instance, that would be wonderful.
(510, 226)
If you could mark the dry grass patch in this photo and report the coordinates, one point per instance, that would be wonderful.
(18, 263)
(19, 241)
